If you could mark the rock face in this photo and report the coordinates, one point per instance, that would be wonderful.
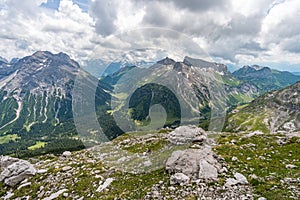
(179, 178)
(187, 134)
(15, 170)
(195, 163)
(200, 163)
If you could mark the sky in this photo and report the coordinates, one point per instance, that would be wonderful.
(235, 32)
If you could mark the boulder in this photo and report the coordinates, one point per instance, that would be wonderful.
(187, 134)
(179, 178)
(195, 163)
(15, 170)
(207, 170)
(5, 161)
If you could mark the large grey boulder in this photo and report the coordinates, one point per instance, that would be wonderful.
(15, 170)
(207, 170)
(195, 163)
(187, 134)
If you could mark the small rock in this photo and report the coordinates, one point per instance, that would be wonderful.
(66, 168)
(42, 171)
(24, 185)
(179, 178)
(56, 195)
(67, 154)
(241, 178)
(230, 182)
(261, 198)
(290, 166)
(147, 163)
(105, 184)
(253, 176)
(234, 158)
(172, 188)
(8, 195)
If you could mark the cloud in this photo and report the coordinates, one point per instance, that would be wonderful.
(27, 27)
(252, 32)
(105, 14)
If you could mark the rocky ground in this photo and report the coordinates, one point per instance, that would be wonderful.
(187, 163)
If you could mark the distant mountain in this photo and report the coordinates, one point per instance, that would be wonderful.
(198, 85)
(113, 67)
(232, 68)
(274, 112)
(3, 60)
(296, 73)
(36, 96)
(264, 78)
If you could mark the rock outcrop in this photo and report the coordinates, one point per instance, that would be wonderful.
(15, 170)
(187, 134)
(196, 163)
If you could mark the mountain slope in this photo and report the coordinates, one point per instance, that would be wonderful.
(36, 104)
(264, 78)
(204, 91)
(273, 112)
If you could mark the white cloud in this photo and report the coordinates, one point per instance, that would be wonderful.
(28, 28)
(252, 31)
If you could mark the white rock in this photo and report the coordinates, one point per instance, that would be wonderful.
(147, 163)
(254, 133)
(66, 168)
(8, 195)
(187, 134)
(231, 182)
(241, 178)
(15, 170)
(207, 170)
(179, 178)
(105, 184)
(56, 195)
(234, 158)
(42, 171)
(24, 185)
(67, 153)
(261, 198)
(290, 166)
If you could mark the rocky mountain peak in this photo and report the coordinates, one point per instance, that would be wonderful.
(3, 60)
(166, 61)
(205, 64)
(42, 70)
(254, 69)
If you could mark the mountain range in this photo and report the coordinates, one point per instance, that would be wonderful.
(265, 78)
(274, 112)
(36, 98)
